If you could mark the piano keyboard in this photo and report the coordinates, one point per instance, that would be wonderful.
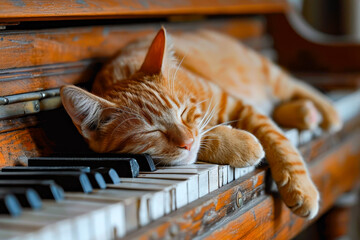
(123, 206)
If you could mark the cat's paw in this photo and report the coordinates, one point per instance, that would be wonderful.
(226, 145)
(300, 195)
(301, 114)
(310, 115)
(246, 149)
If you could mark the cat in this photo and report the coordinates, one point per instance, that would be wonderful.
(203, 95)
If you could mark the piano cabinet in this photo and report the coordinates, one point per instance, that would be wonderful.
(43, 47)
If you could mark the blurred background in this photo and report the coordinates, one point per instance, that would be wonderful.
(337, 17)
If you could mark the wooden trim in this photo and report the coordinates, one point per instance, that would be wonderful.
(35, 60)
(216, 215)
(31, 10)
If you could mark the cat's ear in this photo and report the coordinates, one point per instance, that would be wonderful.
(85, 109)
(154, 59)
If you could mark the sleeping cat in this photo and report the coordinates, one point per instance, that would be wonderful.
(202, 95)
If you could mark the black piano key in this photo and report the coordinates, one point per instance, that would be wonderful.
(9, 204)
(70, 181)
(47, 189)
(27, 197)
(125, 167)
(96, 180)
(109, 175)
(145, 161)
(47, 169)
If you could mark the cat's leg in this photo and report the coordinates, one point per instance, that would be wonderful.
(227, 145)
(330, 118)
(300, 113)
(287, 166)
(286, 88)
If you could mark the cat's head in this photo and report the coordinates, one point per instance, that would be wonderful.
(147, 113)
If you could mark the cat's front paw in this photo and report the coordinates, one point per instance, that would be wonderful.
(226, 145)
(300, 195)
(246, 149)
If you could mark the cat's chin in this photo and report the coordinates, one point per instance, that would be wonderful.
(187, 157)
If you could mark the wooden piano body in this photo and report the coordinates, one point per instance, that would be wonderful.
(44, 46)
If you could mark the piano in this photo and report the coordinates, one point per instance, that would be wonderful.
(46, 44)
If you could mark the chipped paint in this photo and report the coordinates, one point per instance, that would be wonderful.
(18, 3)
(82, 2)
(253, 213)
(105, 31)
(254, 181)
(23, 42)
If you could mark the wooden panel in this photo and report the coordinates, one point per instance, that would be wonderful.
(41, 59)
(301, 48)
(331, 81)
(33, 10)
(266, 217)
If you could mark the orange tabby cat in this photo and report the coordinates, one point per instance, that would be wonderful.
(171, 98)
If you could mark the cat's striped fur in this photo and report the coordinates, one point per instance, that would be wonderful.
(175, 105)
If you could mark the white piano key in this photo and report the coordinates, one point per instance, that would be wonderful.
(42, 226)
(161, 193)
(192, 181)
(213, 173)
(305, 136)
(230, 174)
(201, 173)
(237, 173)
(244, 171)
(293, 135)
(318, 132)
(251, 169)
(89, 218)
(16, 234)
(179, 194)
(223, 175)
(114, 214)
(116, 221)
(135, 205)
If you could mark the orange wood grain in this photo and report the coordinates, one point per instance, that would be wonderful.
(33, 10)
(41, 59)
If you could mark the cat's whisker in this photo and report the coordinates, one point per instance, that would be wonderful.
(218, 125)
(205, 115)
(177, 69)
(208, 118)
(197, 104)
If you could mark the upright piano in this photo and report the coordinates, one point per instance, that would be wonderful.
(46, 44)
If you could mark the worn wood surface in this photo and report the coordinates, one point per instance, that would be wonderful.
(35, 60)
(262, 216)
(33, 10)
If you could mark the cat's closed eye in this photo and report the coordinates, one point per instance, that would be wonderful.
(153, 131)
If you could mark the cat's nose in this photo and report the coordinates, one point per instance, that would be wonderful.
(187, 144)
